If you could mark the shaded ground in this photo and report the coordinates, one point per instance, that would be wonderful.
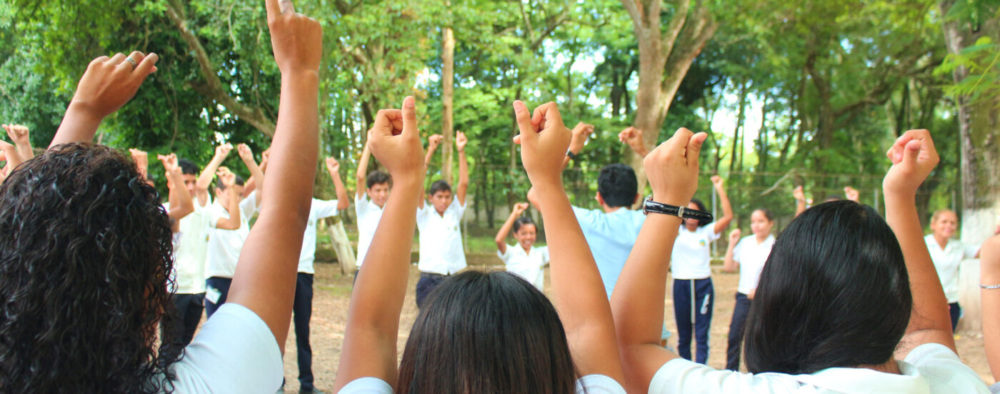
(332, 294)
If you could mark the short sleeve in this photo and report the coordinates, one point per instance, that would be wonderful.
(598, 384)
(323, 208)
(944, 370)
(505, 256)
(248, 206)
(584, 215)
(423, 212)
(970, 251)
(739, 248)
(235, 352)
(459, 208)
(367, 386)
(710, 232)
(214, 214)
(683, 376)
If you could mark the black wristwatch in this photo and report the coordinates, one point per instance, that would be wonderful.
(571, 155)
(650, 206)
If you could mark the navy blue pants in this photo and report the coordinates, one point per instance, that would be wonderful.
(302, 312)
(694, 300)
(428, 282)
(178, 325)
(222, 286)
(956, 312)
(736, 330)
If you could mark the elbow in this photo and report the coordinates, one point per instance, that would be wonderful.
(500, 242)
(342, 204)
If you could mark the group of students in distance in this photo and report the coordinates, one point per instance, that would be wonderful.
(846, 302)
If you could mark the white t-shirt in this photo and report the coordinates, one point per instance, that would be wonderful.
(947, 262)
(691, 256)
(610, 237)
(751, 257)
(591, 384)
(224, 246)
(369, 215)
(928, 369)
(190, 250)
(441, 249)
(235, 352)
(526, 265)
(320, 209)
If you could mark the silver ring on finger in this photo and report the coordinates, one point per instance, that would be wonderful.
(132, 61)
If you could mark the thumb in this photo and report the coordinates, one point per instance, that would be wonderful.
(694, 148)
(911, 152)
(523, 116)
(409, 115)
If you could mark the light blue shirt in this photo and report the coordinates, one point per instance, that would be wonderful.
(611, 237)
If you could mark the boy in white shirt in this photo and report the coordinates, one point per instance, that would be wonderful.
(368, 204)
(441, 251)
(522, 259)
(230, 222)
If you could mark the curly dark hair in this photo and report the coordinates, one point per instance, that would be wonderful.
(85, 258)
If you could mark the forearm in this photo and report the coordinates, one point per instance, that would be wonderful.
(24, 149)
(730, 264)
(463, 177)
(429, 156)
(78, 125)
(930, 307)
(800, 206)
(362, 172)
(727, 211)
(501, 238)
(338, 186)
(182, 197)
(258, 178)
(645, 277)
(208, 173)
(990, 275)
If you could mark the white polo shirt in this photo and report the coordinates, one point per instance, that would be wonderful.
(692, 252)
(320, 209)
(441, 249)
(929, 369)
(224, 246)
(751, 256)
(189, 256)
(947, 262)
(526, 265)
(590, 384)
(368, 215)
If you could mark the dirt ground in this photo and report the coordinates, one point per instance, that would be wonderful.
(332, 295)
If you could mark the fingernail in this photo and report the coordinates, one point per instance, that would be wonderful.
(409, 102)
(519, 106)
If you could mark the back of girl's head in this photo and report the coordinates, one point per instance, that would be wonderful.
(84, 259)
(521, 222)
(833, 293)
(486, 333)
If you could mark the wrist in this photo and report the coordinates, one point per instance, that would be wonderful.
(665, 197)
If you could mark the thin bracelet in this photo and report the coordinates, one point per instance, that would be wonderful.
(989, 287)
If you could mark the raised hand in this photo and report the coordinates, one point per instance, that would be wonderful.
(672, 168)
(460, 141)
(141, 160)
(543, 139)
(852, 194)
(632, 137)
(109, 83)
(734, 236)
(296, 39)
(223, 150)
(581, 133)
(434, 141)
(227, 177)
(332, 165)
(395, 141)
(717, 181)
(17, 133)
(799, 194)
(520, 207)
(913, 158)
(245, 153)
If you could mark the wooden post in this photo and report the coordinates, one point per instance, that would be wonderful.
(447, 99)
(342, 246)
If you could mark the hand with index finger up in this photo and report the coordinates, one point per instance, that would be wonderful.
(672, 168)
(297, 40)
(544, 140)
(395, 141)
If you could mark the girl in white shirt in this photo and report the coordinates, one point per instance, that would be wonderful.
(523, 259)
(748, 256)
(480, 332)
(833, 308)
(694, 294)
(947, 255)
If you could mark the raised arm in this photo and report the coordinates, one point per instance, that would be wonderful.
(852, 194)
(212, 167)
(581, 132)
(800, 200)
(727, 208)
(10, 155)
(22, 139)
(333, 167)
(255, 172)
(228, 179)
(990, 277)
(362, 174)
(730, 264)
(265, 274)
(251, 184)
(913, 158)
(141, 159)
(501, 238)
(181, 203)
(106, 86)
(463, 168)
(576, 284)
(369, 348)
(632, 137)
(637, 301)
(432, 145)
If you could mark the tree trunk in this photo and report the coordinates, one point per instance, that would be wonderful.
(978, 129)
(447, 96)
(342, 246)
(665, 56)
(737, 155)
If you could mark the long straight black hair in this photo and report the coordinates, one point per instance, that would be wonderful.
(487, 332)
(833, 293)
